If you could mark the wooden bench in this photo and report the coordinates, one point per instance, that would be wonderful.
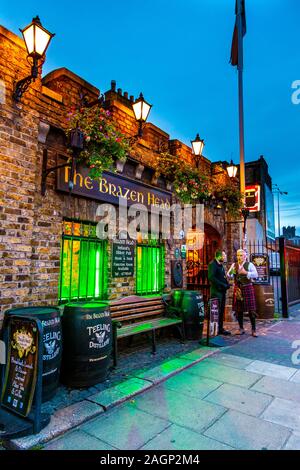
(133, 315)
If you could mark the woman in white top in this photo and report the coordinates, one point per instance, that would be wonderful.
(243, 272)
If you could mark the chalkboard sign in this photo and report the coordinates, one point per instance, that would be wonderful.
(22, 364)
(261, 262)
(123, 258)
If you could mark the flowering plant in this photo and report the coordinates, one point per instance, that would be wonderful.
(102, 141)
(232, 197)
(189, 185)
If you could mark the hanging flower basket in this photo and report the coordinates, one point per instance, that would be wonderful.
(103, 143)
(231, 196)
(189, 185)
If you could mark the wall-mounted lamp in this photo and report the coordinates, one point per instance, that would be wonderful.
(197, 146)
(37, 40)
(141, 111)
(231, 168)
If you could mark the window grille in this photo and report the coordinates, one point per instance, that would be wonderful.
(83, 263)
(150, 267)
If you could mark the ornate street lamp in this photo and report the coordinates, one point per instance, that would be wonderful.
(232, 170)
(197, 146)
(141, 111)
(37, 40)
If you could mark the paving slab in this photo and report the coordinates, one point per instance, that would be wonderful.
(240, 399)
(247, 432)
(279, 388)
(225, 374)
(283, 412)
(177, 408)
(62, 420)
(296, 377)
(294, 442)
(178, 438)
(119, 393)
(230, 360)
(191, 385)
(273, 370)
(78, 440)
(126, 427)
(167, 369)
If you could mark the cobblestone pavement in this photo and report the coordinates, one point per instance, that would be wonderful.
(246, 396)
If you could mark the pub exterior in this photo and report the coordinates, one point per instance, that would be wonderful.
(50, 250)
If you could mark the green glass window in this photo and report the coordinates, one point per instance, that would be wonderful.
(150, 267)
(83, 263)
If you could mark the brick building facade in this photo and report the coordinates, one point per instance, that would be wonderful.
(31, 224)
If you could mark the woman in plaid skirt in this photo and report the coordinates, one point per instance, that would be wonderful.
(243, 296)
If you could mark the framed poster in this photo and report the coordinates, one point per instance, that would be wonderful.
(261, 262)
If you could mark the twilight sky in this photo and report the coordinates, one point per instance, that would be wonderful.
(177, 53)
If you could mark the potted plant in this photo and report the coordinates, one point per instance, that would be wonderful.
(103, 143)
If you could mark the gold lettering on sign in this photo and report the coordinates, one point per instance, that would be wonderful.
(141, 198)
(88, 183)
(112, 189)
(133, 196)
(103, 188)
(150, 199)
(76, 177)
(119, 193)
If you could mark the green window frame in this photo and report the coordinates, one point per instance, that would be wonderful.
(83, 266)
(150, 267)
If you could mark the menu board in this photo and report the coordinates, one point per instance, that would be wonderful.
(21, 369)
(123, 258)
(261, 262)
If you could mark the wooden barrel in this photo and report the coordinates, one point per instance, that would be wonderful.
(192, 306)
(52, 340)
(264, 296)
(87, 331)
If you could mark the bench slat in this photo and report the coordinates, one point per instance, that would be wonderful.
(143, 327)
(117, 308)
(137, 315)
(133, 311)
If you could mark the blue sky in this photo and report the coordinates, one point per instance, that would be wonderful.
(177, 53)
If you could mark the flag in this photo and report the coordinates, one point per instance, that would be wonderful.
(234, 45)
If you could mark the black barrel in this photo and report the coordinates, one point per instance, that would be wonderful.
(87, 331)
(192, 306)
(52, 339)
(177, 298)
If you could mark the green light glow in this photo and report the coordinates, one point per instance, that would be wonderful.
(83, 268)
(149, 268)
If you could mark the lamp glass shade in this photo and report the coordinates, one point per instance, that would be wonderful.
(197, 145)
(36, 38)
(141, 109)
(232, 170)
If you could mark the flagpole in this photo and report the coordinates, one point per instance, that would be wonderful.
(241, 110)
